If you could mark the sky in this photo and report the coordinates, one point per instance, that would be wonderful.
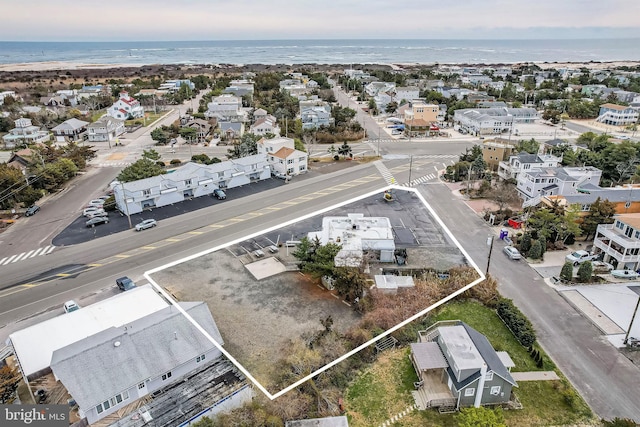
(158, 20)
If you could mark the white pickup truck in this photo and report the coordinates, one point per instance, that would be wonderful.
(578, 257)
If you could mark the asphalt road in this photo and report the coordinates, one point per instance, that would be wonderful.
(604, 377)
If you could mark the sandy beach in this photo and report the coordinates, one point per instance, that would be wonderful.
(65, 66)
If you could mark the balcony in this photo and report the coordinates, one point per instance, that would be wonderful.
(615, 235)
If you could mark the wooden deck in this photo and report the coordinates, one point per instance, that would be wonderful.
(433, 392)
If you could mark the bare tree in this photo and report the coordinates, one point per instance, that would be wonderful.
(504, 194)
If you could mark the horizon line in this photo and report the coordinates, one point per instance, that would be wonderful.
(333, 39)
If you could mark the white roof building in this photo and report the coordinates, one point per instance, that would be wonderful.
(356, 234)
(35, 345)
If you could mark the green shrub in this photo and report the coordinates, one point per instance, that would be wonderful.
(567, 271)
(585, 271)
(525, 243)
(516, 321)
(536, 250)
(175, 162)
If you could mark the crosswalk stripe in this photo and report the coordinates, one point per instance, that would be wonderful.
(48, 251)
(2, 260)
(37, 252)
(9, 260)
(17, 258)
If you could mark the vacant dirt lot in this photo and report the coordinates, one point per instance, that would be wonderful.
(257, 319)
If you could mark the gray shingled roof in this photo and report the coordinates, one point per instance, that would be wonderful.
(489, 354)
(615, 195)
(95, 369)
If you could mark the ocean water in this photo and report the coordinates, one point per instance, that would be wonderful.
(322, 51)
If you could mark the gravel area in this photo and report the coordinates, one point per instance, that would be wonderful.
(257, 319)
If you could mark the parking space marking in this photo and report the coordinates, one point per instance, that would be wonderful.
(148, 247)
(95, 265)
(172, 239)
(121, 256)
(63, 275)
(195, 232)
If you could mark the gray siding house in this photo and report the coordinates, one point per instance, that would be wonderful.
(457, 367)
(113, 368)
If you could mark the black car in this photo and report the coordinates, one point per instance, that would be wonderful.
(31, 210)
(124, 283)
(219, 194)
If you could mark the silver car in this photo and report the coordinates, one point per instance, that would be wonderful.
(512, 252)
(147, 223)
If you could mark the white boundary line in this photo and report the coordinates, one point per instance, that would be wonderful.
(148, 274)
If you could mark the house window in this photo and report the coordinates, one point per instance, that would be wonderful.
(619, 225)
(629, 232)
(637, 235)
(495, 390)
(99, 408)
(146, 192)
(200, 358)
(166, 376)
(489, 376)
(187, 182)
(469, 391)
(140, 386)
(106, 405)
(290, 161)
(585, 208)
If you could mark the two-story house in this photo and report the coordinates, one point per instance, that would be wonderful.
(405, 93)
(188, 181)
(617, 115)
(72, 130)
(104, 129)
(25, 133)
(538, 182)
(283, 157)
(458, 367)
(373, 88)
(225, 107)
(620, 242)
(265, 125)
(524, 162)
(126, 108)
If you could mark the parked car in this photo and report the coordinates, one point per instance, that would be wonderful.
(92, 210)
(625, 274)
(94, 204)
(512, 252)
(97, 221)
(219, 194)
(70, 306)
(280, 175)
(147, 223)
(124, 283)
(31, 210)
(96, 214)
(578, 257)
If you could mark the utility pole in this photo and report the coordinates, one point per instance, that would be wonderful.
(410, 166)
(635, 289)
(490, 244)
(126, 204)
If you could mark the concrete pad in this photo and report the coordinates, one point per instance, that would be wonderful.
(265, 268)
(535, 376)
(117, 156)
(600, 319)
(616, 301)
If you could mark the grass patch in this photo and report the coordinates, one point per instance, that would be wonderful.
(97, 114)
(486, 321)
(548, 403)
(384, 389)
